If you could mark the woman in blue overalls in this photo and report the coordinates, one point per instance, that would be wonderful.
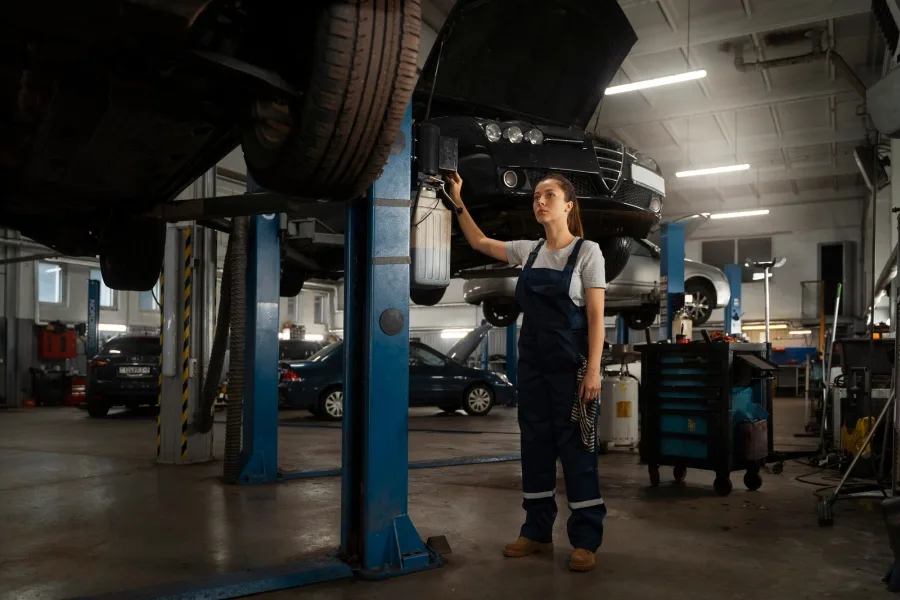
(561, 293)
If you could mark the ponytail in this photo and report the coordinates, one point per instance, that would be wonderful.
(574, 219)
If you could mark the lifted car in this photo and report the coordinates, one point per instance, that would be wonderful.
(111, 108)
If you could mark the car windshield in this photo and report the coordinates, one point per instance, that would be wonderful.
(326, 352)
(135, 346)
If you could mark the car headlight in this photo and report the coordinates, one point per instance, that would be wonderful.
(502, 378)
(514, 134)
(534, 136)
(493, 132)
(646, 162)
(655, 204)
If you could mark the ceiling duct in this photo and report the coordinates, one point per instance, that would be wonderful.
(870, 165)
(818, 52)
(887, 17)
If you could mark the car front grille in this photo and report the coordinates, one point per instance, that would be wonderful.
(633, 194)
(610, 158)
(584, 185)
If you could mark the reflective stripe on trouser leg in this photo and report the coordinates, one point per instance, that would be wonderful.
(538, 457)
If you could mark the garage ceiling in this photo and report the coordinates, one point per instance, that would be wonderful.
(795, 125)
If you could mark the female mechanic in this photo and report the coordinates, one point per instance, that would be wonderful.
(561, 292)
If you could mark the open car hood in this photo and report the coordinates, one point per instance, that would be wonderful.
(463, 349)
(545, 60)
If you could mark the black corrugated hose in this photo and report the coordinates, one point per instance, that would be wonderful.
(203, 421)
(234, 406)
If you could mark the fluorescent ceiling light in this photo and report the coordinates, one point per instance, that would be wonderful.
(713, 170)
(454, 334)
(801, 332)
(112, 327)
(314, 337)
(763, 327)
(740, 213)
(652, 83)
(761, 276)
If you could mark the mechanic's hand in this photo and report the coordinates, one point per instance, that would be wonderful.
(454, 187)
(590, 388)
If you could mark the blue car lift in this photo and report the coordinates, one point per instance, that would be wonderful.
(378, 539)
(671, 275)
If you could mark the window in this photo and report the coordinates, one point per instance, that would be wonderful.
(718, 253)
(132, 346)
(319, 310)
(147, 300)
(291, 309)
(419, 356)
(50, 283)
(108, 297)
(758, 249)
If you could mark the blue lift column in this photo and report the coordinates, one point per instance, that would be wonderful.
(377, 536)
(259, 451)
(732, 317)
(671, 274)
(623, 334)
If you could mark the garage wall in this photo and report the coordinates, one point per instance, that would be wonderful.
(796, 232)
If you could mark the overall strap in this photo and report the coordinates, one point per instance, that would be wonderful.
(533, 255)
(573, 258)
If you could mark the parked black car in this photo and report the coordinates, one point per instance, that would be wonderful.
(124, 373)
(109, 108)
(435, 379)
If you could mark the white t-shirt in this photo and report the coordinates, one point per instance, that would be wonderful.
(590, 267)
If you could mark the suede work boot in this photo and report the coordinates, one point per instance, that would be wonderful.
(525, 547)
(582, 561)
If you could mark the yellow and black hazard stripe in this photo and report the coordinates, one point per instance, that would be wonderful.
(162, 318)
(186, 338)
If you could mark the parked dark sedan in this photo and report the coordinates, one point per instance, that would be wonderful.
(434, 380)
(124, 373)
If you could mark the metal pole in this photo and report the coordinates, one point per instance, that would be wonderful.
(826, 368)
(767, 304)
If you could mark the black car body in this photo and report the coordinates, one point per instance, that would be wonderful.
(536, 70)
(435, 379)
(110, 108)
(124, 373)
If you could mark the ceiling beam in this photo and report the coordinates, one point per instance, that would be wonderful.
(716, 27)
(616, 113)
(711, 151)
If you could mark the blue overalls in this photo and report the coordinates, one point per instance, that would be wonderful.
(553, 339)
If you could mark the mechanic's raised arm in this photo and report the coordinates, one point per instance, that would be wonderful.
(474, 235)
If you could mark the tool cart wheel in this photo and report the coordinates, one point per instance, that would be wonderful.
(680, 473)
(778, 468)
(752, 480)
(654, 475)
(722, 485)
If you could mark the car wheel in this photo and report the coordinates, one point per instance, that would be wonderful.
(704, 300)
(97, 408)
(428, 297)
(131, 254)
(292, 279)
(640, 320)
(331, 404)
(479, 400)
(501, 312)
(616, 252)
(334, 140)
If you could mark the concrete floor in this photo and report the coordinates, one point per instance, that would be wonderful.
(85, 510)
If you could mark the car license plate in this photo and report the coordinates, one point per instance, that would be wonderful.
(133, 371)
(648, 179)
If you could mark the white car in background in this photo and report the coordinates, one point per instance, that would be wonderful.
(634, 294)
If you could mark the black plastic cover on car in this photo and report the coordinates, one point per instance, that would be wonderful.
(545, 60)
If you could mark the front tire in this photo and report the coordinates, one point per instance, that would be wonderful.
(641, 319)
(616, 252)
(333, 141)
(501, 312)
(97, 409)
(131, 254)
(479, 400)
